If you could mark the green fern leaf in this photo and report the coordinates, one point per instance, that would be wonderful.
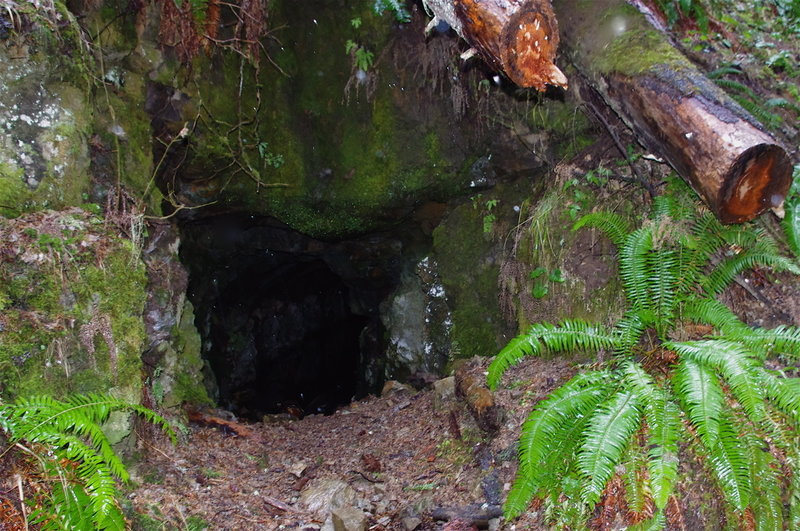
(663, 422)
(634, 267)
(765, 503)
(791, 226)
(550, 434)
(662, 284)
(711, 311)
(729, 461)
(613, 225)
(727, 270)
(699, 390)
(516, 349)
(568, 336)
(784, 340)
(630, 328)
(607, 435)
(637, 490)
(736, 364)
(784, 393)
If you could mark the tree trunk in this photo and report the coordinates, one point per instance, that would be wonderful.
(676, 112)
(518, 37)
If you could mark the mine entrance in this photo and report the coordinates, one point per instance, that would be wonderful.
(289, 323)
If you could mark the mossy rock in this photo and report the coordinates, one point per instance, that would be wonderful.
(72, 292)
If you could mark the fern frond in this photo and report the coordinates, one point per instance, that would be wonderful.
(613, 225)
(782, 340)
(766, 487)
(634, 267)
(727, 270)
(551, 433)
(630, 328)
(736, 364)
(637, 490)
(791, 226)
(729, 461)
(71, 431)
(608, 433)
(698, 389)
(662, 283)
(713, 312)
(784, 393)
(663, 422)
(567, 336)
(523, 345)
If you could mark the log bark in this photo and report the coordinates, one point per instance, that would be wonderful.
(518, 37)
(678, 113)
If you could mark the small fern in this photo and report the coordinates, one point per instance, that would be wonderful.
(68, 442)
(711, 386)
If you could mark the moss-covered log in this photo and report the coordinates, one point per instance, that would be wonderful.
(519, 37)
(727, 157)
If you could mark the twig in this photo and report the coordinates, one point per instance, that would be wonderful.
(22, 500)
(279, 504)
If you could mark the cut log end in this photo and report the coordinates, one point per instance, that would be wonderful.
(530, 46)
(758, 180)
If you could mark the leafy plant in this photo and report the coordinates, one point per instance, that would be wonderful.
(543, 278)
(677, 10)
(66, 439)
(362, 58)
(791, 220)
(399, 10)
(269, 158)
(682, 366)
(747, 98)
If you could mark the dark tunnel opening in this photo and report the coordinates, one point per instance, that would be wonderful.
(289, 324)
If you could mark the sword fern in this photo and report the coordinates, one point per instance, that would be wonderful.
(711, 388)
(66, 439)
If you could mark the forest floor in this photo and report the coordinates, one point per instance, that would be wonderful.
(399, 459)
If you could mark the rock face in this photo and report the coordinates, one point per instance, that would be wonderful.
(44, 131)
(330, 215)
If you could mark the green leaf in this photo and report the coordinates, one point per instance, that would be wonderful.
(607, 435)
(568, 336)
(791, 225)
(556, 276)
(698, 389)
(736, 364)
(613, 225)
(536, 273)
(663, 422)
(539, 290)
(634, 267)
(551, 433)
(729, 461)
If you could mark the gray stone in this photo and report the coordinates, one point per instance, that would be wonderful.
(410, 523)
(444, 391)
(322, 496)
(349, 519)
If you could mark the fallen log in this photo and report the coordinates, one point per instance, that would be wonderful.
(676, 112)
(518, 37)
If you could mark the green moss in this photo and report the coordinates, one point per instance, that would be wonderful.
(636, 52)
(69, 282)
(13, 192)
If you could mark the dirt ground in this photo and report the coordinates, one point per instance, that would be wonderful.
(406, 456)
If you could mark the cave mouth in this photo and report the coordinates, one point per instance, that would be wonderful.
(289, 324)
